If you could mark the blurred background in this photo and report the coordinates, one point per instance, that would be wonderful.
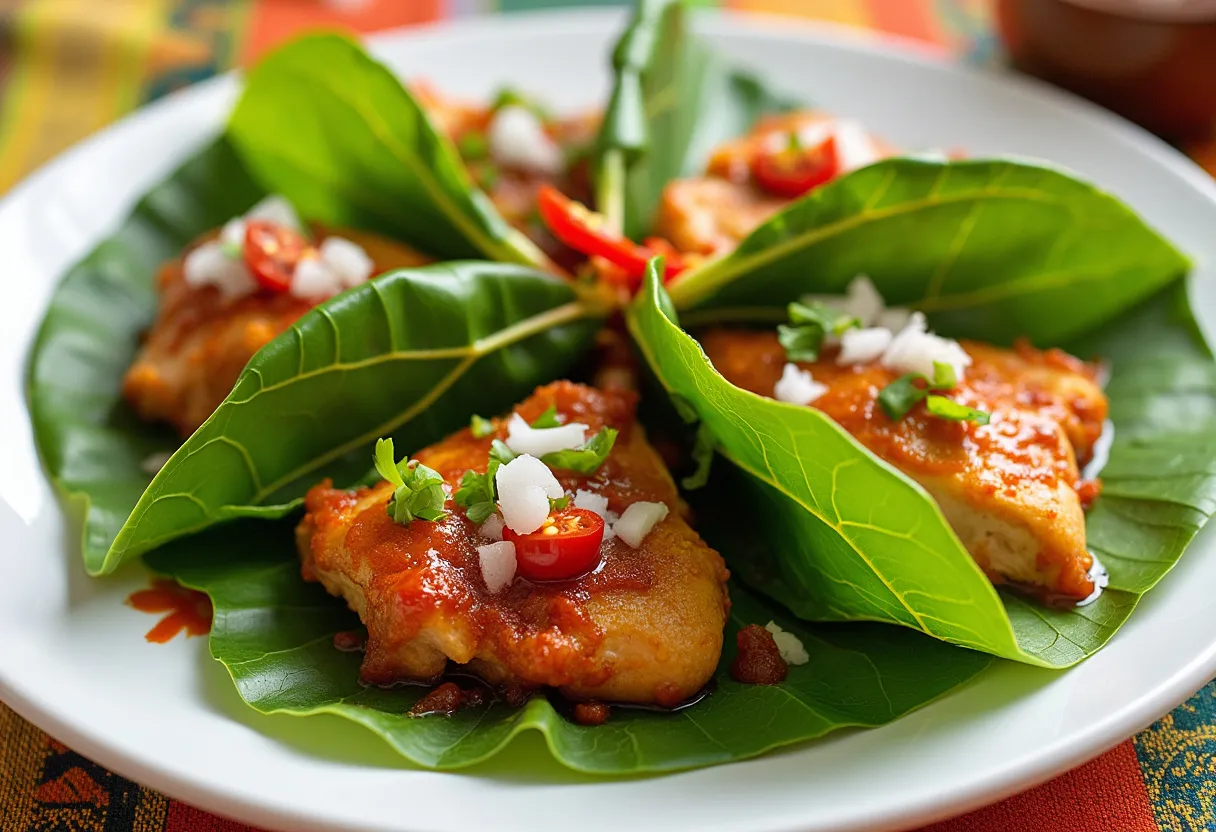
(69, 67)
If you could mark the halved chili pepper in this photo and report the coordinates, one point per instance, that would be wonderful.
(796, 169)
(566, 546)
(583, 230)
(273, 251)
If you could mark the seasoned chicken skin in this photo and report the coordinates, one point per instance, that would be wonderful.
(200, 342)
(645, 627)
(1009, 488)
(710, 214)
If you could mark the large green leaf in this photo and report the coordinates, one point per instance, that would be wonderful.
(92, 445)
(410, 354)
(836, 534)
(334, 131)
(274, 633)
(674, 99)
(991, 250)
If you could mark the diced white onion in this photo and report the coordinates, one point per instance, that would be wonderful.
(313, 279)
(492, 527)
(591, 501)
(277, 210)
(610, 519)
(861, 300)
(861, 346)
(232, 235)
(152, 463)
(525, 486)
(210, 265)
(788, 644)
(497, 564)
(854, 147)
(525, 439)
(637, 521)
(347, 260)
(518, 140)
(895, 318)
(797, 387)
(915, 350)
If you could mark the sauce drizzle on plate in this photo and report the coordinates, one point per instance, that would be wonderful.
(188, 611)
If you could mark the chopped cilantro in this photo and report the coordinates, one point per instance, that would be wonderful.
(480, 427)
(809, 325)
(587, 457)
(548, 419)
(417, 489)
(473, 146)
(901, 395)
(477, 492)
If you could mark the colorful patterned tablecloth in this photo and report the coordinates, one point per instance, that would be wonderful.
(69, 67)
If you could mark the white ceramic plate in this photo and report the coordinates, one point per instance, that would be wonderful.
(73, 660)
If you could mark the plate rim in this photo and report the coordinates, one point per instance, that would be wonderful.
(1017, 776)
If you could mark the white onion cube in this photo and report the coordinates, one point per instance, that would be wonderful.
(210, 265)
(525, 439)
(313, 280)
(797, 387)
(791, 648)
(518, 140)
(275, 209)
(861, 346)
(347, 260)
(497, 564)
(525, 486)
(637, 521)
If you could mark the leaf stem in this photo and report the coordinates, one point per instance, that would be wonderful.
(610, 190)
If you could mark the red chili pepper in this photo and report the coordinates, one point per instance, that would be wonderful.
(566, 546)
(272, 253)
(794, 170)
(583, 230)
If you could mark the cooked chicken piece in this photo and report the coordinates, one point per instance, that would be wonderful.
(710, 214)
(646, 626)
(1008, 488)
(199, 342)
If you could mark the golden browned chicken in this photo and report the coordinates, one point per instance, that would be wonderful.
(644, 626)
(1011, 488)
(710, 214)
(201, 340)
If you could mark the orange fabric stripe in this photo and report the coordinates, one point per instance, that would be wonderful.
(1104, 795)
(910, 18)
(851, 12)
(271, 22)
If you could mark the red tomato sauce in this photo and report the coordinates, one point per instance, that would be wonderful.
(188, 611)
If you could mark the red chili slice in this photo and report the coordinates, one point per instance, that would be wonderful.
(796, 170)
(272, 253)
(566, 546)
(583, 230)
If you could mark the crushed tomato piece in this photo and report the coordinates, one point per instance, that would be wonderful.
(759, 661)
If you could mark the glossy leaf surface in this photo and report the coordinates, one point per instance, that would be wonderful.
(275, 635)
(993, 250)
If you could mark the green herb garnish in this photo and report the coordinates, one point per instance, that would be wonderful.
(587, 457)
(511, 97)
(548, 419)
(809, 325)
(418, 490)
(480, 427)
(945, 408)
(473, 146)
(477, 492)
(901, 395)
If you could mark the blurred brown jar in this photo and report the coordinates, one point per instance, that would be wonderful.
(1153, 61)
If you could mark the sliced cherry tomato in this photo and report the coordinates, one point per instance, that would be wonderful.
(566, 546)
(583, 230)
(272, 253)
(794, 170)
